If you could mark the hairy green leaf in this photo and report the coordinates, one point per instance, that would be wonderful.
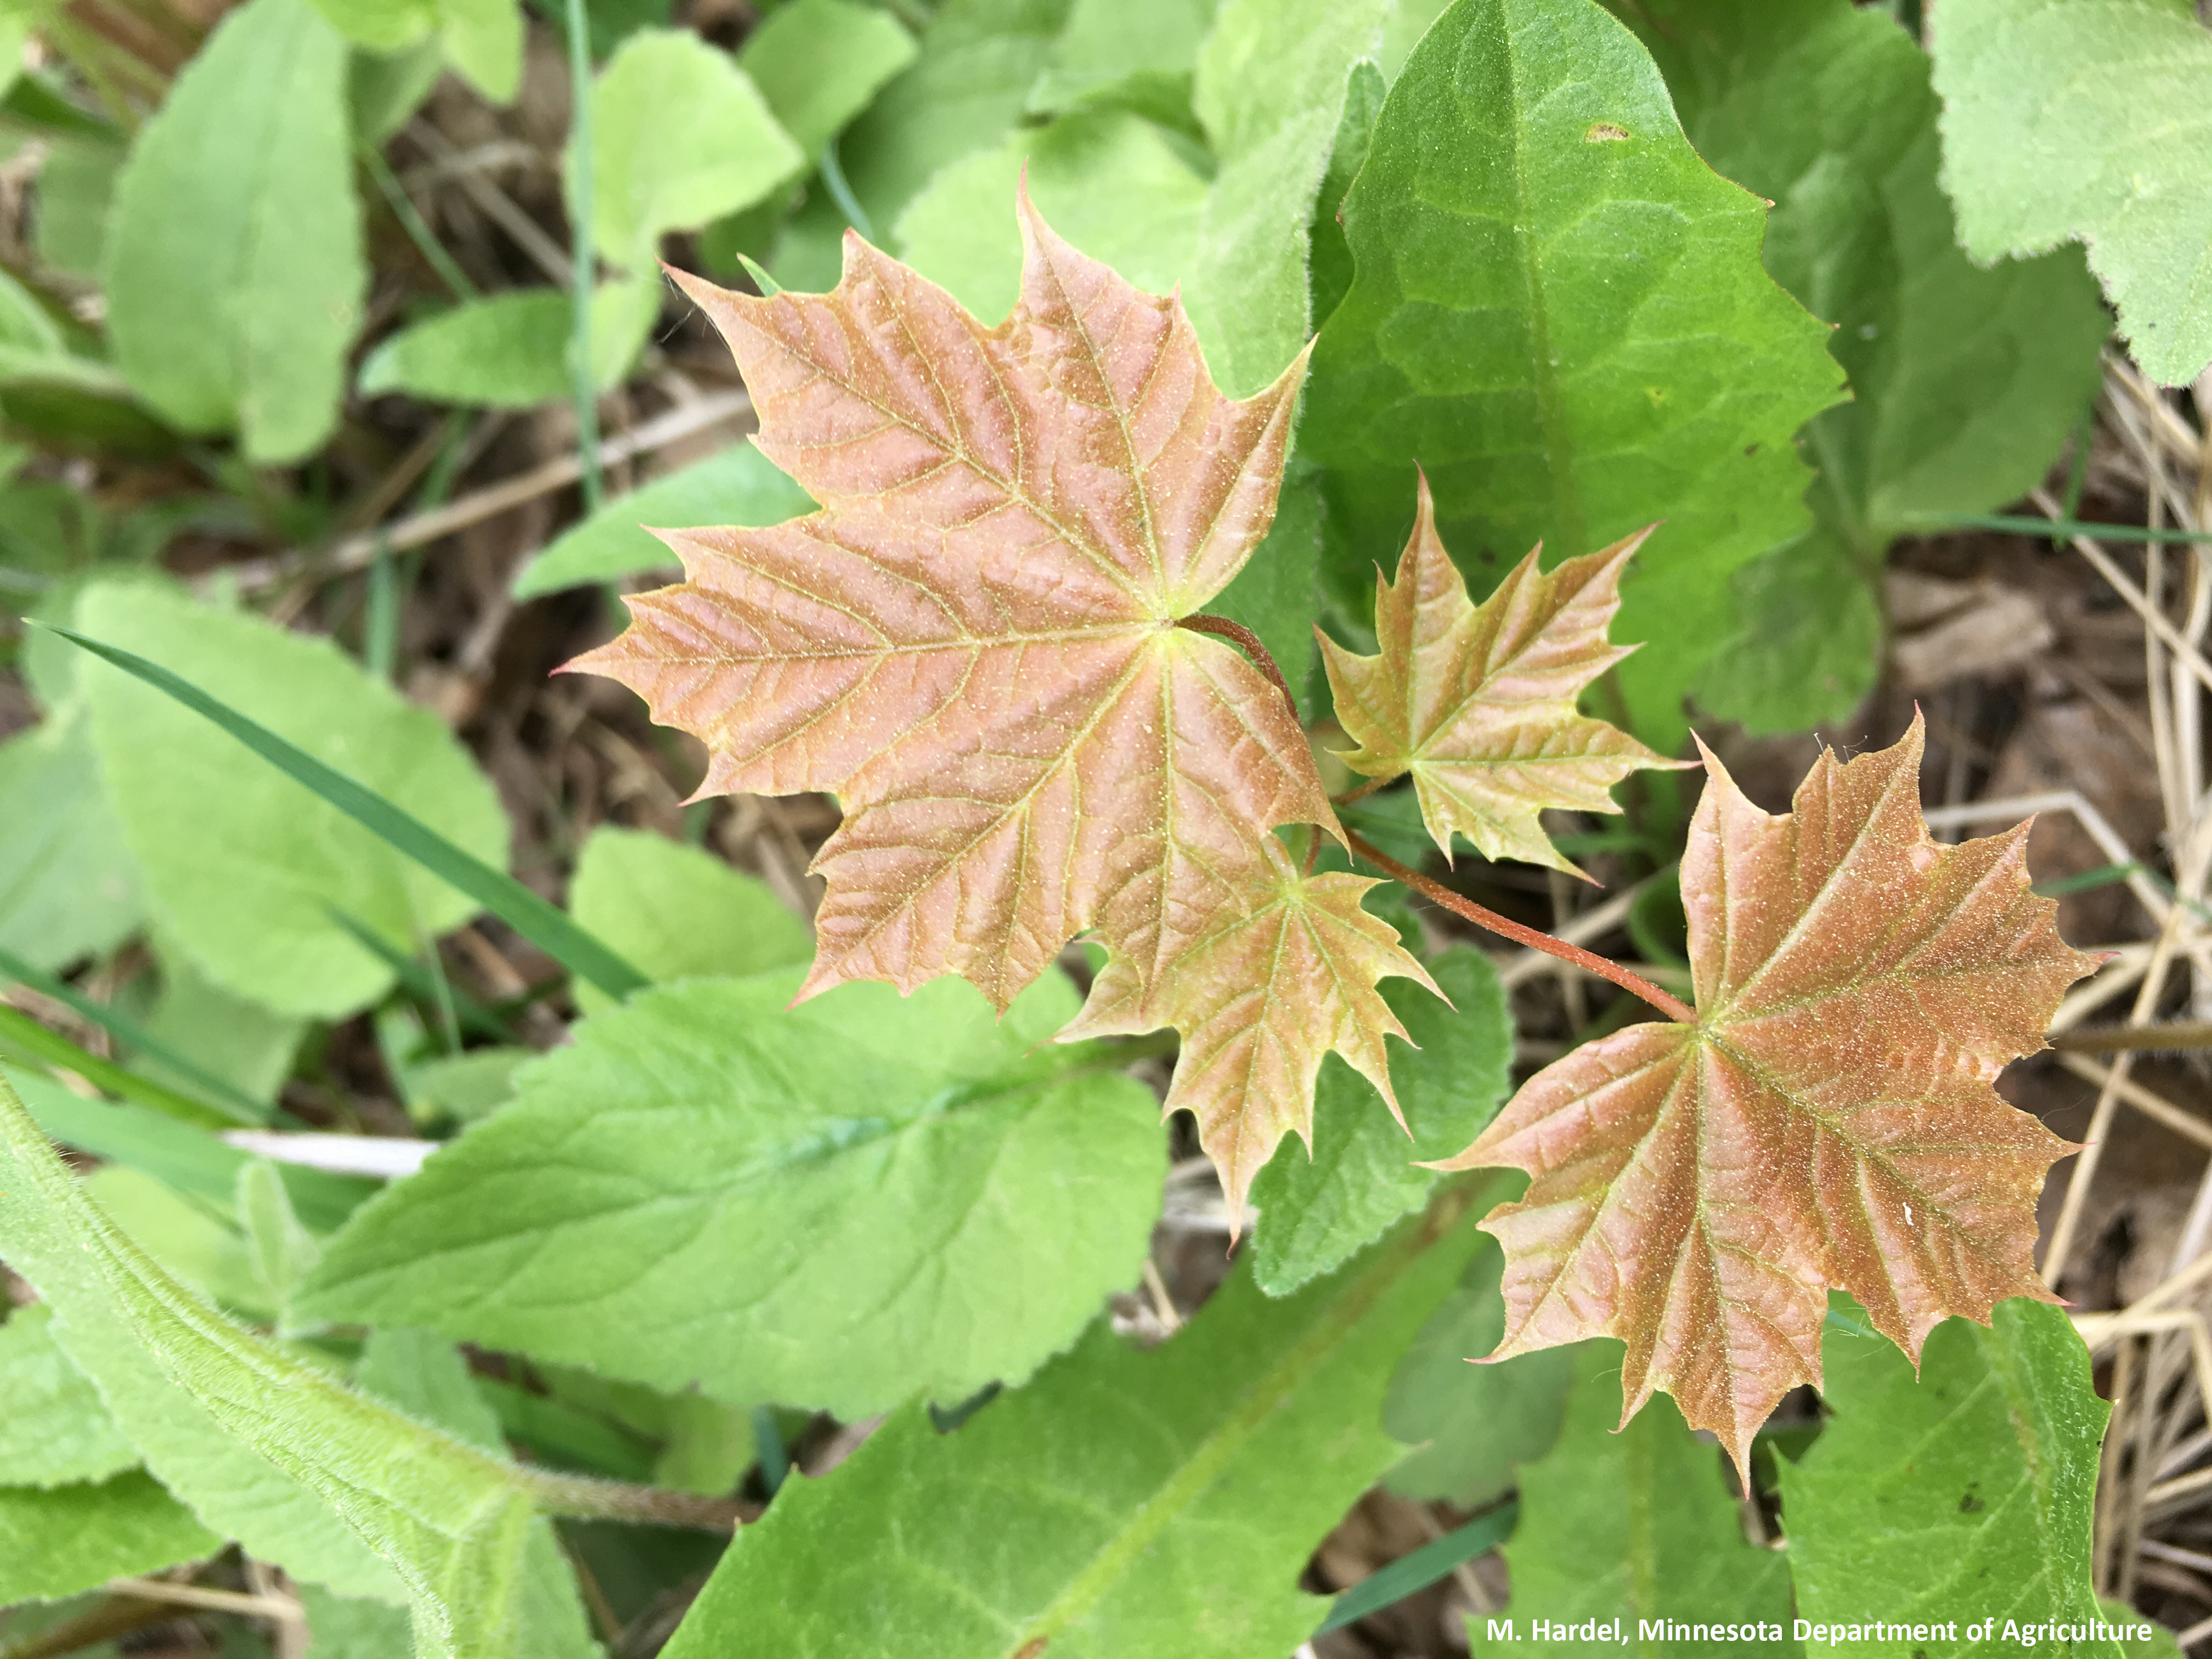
(67, 886)
(1114, 185)
(738, 485)
(1125, 1503)
(1967, 1493)
(259, 1445)
(57, 1542)
(679, 912)
(2067, 119)
(56, 1431)
(1135, 55)
(834, 1205)
(818, 63)
(1318, 1205)
(241, 864)
(234, 258)
(1472, 1426)
(680, 137)
(1634, 1521)
(1560, 313)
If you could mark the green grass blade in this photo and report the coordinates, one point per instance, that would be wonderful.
(233, 1101)
(55, 1049)
(505, 897)
(2019, 524)
(1409, 1574)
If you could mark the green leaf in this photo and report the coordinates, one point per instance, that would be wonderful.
(483, 43)
(1807, 644)
(1922, 1497)
(1472, 1426)
(1278, 592)
(1634, 1521)
(1135, 55)
(55, 1432)
(384, 90)
(819, 62)
(241, 864)
(261, 1446)
(680, 137)
(233, 261)
(963, 92)
(341, 1627)
(735, 486)
(282, 1251)
(1560, 313)
(1319, 1205)
(1269, 92)
(508, 350)
(69, 888)
(1112, 183)
(679, 912)
(1125, 1503)
(380, 25)
(2067, 119)
(240, 1043)
(75, 188)
(1363, 92)
(834, 1205)
(59, 1542)
(464, 1087)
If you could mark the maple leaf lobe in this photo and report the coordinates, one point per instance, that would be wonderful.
(1477, 701)
(1830, 1120)
(972, 642)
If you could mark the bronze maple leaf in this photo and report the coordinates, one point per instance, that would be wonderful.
(973, 643)
(1477, 701)
(1828, 1121)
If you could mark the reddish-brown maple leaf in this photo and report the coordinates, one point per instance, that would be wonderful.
(1478, 700)
(1829, 1121)
(973, 644)
(1281, 968)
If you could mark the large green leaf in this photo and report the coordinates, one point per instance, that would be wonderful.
(738, 485)
(680, 137)
(1971, 1491)
(2085, 119)
(834, 1205)
(58, 1542)
(1965, 379)
(56, 1431)
(334, 1486)
(1319, 1205)
(67, 887)
(963, 92)
(233, 259)
(1125, 1503)
(1112, 183)
(505, 351)
(244, 866)
(1560, 313)
(1634, 1521)
(818, 63)
(678, 913)
(1269, 93)
(1473, 1425)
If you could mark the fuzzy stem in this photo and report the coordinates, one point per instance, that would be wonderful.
(616, 1500)
(1242, 637)
(1438, 893)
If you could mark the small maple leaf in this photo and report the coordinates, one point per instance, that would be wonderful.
(973, 644)
(1478, 700)
(1829, 1121)
(1280, 968)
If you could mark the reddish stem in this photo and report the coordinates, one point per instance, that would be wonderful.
(1245, 640)
(1437, 892)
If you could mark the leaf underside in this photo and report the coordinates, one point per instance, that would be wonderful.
(1830, 1120)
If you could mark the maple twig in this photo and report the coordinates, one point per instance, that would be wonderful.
(1242, 637)
(1481, 916)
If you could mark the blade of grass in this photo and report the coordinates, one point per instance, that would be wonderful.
(582, 264)
(2016, 525)
(467, 1014)
(426, 244)
(2106, 874)
(506, 898)
(225, 1096)
(1410, 1574)
(841, 193)
(55, 1049)
(379, 644)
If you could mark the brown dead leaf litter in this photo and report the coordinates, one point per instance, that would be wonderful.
(2046, 685)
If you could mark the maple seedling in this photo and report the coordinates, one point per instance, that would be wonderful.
(989, 644)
